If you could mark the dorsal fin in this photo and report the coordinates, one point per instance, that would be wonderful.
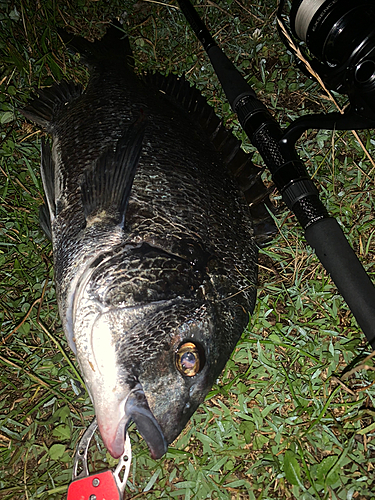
(246, 174)
(44, 108)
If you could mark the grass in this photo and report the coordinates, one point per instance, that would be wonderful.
(292, 416)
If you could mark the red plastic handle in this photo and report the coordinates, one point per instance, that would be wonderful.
(100, 486)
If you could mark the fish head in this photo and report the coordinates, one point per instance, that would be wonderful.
(177, 379)
(152, 364)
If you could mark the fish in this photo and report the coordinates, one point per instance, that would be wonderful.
(156, 215)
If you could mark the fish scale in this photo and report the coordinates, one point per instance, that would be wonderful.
(155, 256)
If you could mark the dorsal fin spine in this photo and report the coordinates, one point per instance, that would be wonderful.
(246, 174)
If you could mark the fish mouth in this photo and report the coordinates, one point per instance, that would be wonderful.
(137, 410)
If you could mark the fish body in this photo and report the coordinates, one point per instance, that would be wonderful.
(155, 258)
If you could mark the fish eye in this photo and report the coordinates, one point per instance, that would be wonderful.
(189, 359)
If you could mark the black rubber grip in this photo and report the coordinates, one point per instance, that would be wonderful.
(338, 258)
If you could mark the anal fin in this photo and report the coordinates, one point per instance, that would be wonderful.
(44, 108)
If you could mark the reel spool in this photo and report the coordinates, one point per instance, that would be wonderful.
(337, 38)
(341, 36)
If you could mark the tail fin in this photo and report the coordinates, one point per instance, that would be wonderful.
(114, 45)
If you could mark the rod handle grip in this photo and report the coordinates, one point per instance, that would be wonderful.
(335, 253)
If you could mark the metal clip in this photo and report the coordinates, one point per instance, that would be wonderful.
(113, 481)
(80, 459)
(123, 466)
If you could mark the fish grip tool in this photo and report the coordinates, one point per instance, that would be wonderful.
(290, 176)
(105, 485)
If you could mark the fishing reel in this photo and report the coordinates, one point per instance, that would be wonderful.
(336, 39)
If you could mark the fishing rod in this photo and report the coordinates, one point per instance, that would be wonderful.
(289, 174)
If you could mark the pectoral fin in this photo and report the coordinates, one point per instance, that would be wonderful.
(106, 187)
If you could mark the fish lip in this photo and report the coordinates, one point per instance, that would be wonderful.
(137, 408)
(116, 445)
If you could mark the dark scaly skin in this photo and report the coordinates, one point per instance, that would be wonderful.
(184, 266)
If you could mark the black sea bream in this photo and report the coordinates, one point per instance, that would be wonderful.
(155, 259)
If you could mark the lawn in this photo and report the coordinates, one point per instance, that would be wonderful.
(292, 416)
